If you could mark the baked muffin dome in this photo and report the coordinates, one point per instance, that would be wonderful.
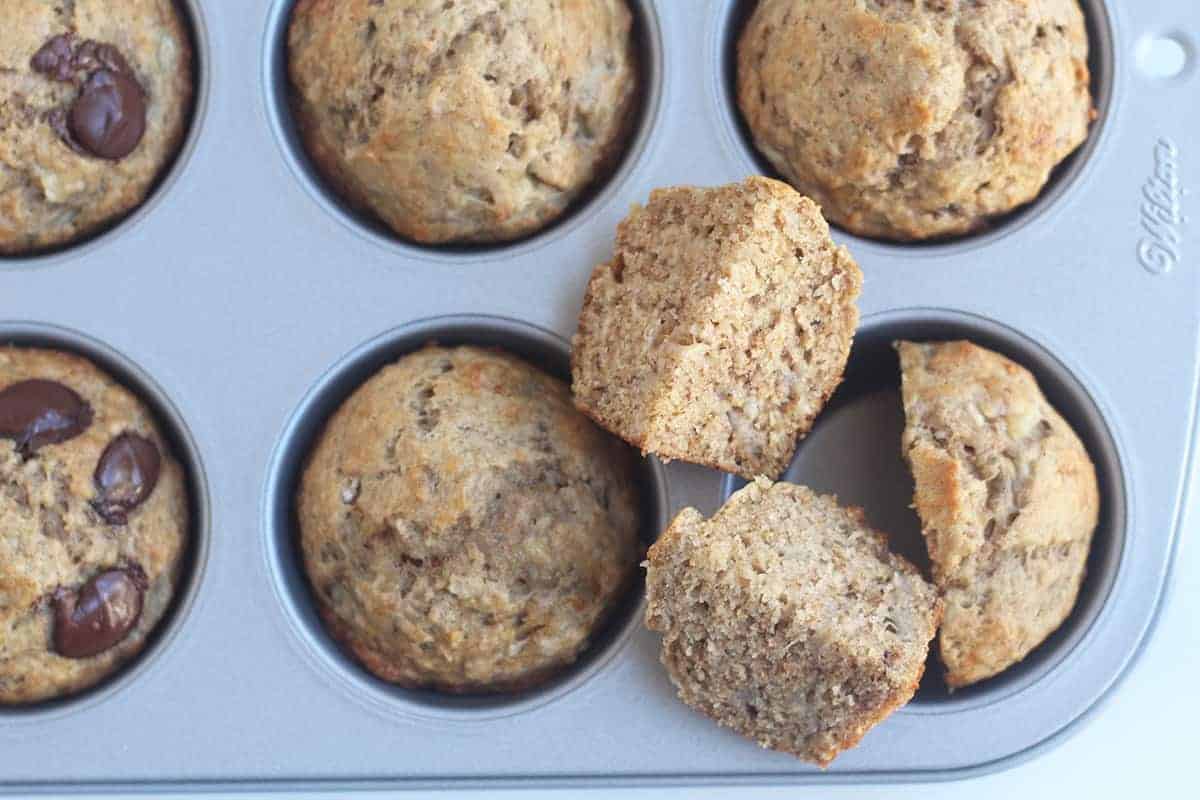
(915, 120)
(94, 525)
(95, 98)
(472, 121)
(464, 528)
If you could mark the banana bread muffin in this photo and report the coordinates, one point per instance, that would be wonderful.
(467, 121)
(463, 526)
(915, 120)
(1007, 498)
(95, 97)
(786, 618)
(720, 326)
(93, 525)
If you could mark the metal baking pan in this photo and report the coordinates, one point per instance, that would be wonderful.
(245, 302)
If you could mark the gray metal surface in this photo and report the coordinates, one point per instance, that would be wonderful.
(243, 302)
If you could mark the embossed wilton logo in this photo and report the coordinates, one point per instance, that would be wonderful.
(1162, 212)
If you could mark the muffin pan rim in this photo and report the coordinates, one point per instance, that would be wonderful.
(239, 305)
(197, 555)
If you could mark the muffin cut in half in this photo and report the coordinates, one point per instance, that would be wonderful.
(786, 618)
(720, 326)
(1008, 502)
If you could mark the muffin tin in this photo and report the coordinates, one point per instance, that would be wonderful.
(244, 302)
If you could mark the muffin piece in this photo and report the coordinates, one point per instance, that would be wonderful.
(463, 526)
(786, 618)
(94, 102)
(719, 328)
(93, 525)
(915, 120)
(472, 121)
(1007, 498)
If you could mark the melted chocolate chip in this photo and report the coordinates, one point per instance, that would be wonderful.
(62, 57)
(39, 412)
(56, 58)
(109, 116)
(99, 614)
(125, 476)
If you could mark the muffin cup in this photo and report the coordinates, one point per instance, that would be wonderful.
(171, 172)
(648, 44)
(536, 346)
(195, 558)
(1064, 179)
(855, 452)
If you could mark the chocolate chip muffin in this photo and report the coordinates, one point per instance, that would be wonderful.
(915, 120)
(719, 327)
(467, 121)
(463, 526)
(94, 101)
(1008, 502)
(93, 525)
(786, 618)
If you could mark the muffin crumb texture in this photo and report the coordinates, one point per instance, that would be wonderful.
(94, 525)
(912, 120)
(94, 103)
(464, 528)
(1008, 502)
(472, 121)
(786, 618)
(720, 326)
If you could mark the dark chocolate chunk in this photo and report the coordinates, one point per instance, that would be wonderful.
(40, 412)
(64, 55)
(99, 614)
(125, 476)
(108, 117)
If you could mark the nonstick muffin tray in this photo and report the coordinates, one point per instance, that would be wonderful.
(244, 302)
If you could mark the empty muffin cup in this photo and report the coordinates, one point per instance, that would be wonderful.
(855, 452)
